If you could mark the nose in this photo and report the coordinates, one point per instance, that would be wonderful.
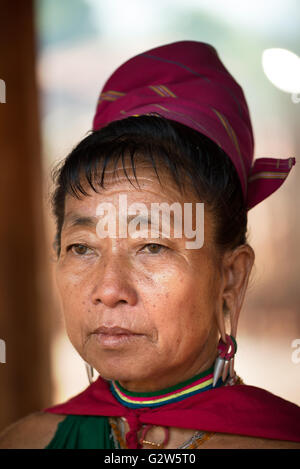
(113, 284)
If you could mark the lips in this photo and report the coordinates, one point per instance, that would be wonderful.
(114, 331)
(112, 338)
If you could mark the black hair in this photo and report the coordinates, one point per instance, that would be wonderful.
(190, 157)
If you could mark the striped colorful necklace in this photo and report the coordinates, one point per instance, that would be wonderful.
(199, 383)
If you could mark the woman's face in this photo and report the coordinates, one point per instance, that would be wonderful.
(160, 291)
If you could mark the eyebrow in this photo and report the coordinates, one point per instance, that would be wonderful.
(78, 220)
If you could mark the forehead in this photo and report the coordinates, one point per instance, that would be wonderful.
(144, 177)
(149, 190)
(143, 183)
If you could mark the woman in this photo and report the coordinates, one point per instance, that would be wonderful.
(155, 313)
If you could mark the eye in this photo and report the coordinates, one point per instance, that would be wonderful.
(79, 249)
(155, 248)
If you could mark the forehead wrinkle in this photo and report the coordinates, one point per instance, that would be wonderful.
(173, 197)
(121, 169)
(114, 186)
(122, 174)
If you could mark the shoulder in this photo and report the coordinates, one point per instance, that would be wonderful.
(34, 431)
(229, 441)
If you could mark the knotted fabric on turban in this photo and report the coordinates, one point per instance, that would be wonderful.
(186, 81)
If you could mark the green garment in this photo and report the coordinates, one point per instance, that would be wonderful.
(82, 432)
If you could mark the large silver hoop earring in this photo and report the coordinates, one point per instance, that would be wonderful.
(90, 372)
(224, 363)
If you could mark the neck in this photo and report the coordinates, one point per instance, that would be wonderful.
(197, 384)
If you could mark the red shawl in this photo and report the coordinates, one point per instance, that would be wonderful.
(239, 409)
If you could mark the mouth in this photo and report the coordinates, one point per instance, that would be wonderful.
(113, 337)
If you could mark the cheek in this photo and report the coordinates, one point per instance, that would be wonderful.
(68, 286)
(182, 309)
(72, 300)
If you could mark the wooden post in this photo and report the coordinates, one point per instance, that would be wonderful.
(25, 381)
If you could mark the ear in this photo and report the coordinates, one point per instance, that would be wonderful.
(235, 273)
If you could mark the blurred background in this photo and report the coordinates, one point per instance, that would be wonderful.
(55, 56)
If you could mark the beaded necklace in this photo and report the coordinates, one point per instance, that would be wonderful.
(196, 440)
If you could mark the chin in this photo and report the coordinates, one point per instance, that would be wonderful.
(120, 376)
(124, 373)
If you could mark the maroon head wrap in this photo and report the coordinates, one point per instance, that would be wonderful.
(186, 81)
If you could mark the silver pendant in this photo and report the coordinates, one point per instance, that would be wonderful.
(218, 369)
(225, 370)
(231, 368)
(90, 372)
